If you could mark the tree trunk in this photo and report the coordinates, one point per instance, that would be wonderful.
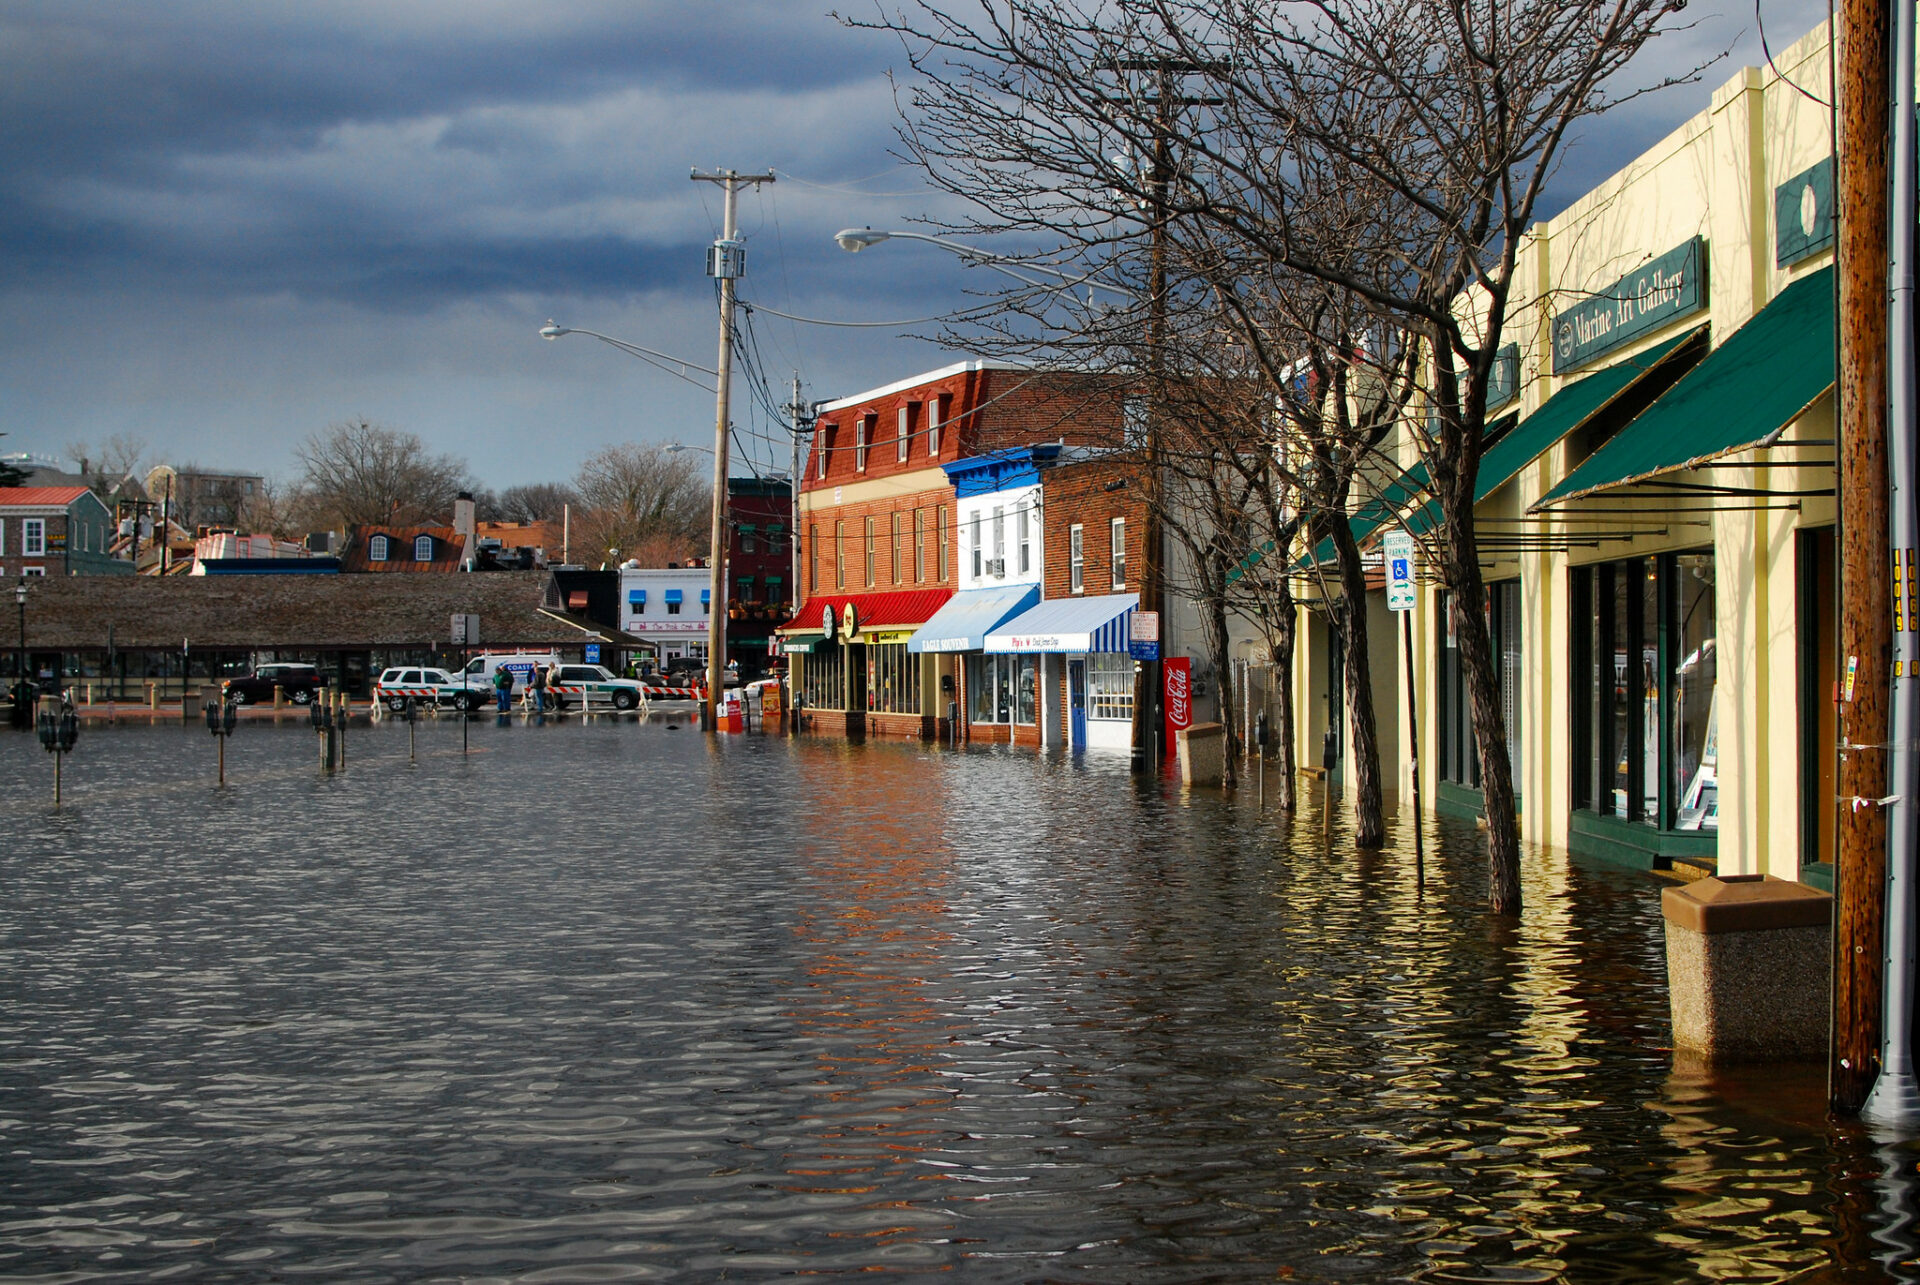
(1370, 827)
(1214, 615)
(1468, 601)
(1285, 628)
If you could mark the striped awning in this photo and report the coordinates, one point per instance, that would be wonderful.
(1068, 625)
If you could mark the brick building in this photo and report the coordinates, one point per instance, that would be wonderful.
(56, 531)
(1066, 657)
(879, 531)
(759, 565)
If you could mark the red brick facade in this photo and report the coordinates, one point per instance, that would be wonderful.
(1077, 494)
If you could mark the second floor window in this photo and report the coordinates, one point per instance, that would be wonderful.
(935, 408)
(746, 539)
(822, 448)
(423, 548)
(1026, 541)
(999, 541)
(377, 549)
(973, 539)
(1076, 559)
(839, 555)
(861, 431)
(919, 546)
(869, 553)
(813, 557)
(940, 526)
(1119, 553)
(906, 429)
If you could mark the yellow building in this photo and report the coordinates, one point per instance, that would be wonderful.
(1658, 520)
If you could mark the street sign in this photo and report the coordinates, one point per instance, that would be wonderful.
(466, 629)
(1143, 635)
(1398, 547)
(593, 653)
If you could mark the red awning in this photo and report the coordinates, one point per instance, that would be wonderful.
(896, 609)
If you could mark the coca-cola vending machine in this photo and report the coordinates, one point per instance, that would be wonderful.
(1177, 679)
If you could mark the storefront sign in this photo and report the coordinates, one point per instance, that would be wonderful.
(1143, 635)
(1670, 287)
(1397, 547)
(1177, 682)
(849, 622)
(1803, 214)
(826, 622)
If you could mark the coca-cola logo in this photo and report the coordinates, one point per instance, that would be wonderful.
(1179, 706)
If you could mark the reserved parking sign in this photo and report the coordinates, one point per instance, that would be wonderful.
(1398, 547)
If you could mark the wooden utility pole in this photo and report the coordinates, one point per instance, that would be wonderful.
(1866, 632)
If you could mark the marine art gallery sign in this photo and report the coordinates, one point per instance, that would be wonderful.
(1665, 289)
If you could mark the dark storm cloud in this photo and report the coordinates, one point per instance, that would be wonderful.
(395, 156)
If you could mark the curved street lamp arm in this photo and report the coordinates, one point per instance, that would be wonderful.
(664, 361)
(854, 239)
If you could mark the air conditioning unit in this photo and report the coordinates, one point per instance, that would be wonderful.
(996, 566)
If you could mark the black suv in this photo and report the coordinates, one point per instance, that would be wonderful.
(299, 682)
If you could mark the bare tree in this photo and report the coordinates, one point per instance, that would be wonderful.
(360, 473)
(106, 465)
(640, 501)
(1091, 124)
(532, 502)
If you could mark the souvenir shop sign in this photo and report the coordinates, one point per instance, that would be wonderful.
(1671, 286)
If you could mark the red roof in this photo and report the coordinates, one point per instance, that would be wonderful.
(894, 609)
(40, 495)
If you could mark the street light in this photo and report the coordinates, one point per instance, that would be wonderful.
(665, 361)
(22, 711)
(716, 576)
(854, 240)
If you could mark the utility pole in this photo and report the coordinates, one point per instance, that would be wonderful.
(726, 262)
(1895, 1098)
(1866, 635)
(801, 414)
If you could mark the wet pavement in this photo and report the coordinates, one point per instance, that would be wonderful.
(618, 1001)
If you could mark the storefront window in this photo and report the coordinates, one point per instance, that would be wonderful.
(1110, 687)
(1459, 750)
(823, 676)
(893, 679)
(1644, 700)
(1695, 714)
(1003, 689)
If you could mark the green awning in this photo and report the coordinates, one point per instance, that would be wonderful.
(1763, 376)
(1379, 508)
(1559, 415)
(791, 643)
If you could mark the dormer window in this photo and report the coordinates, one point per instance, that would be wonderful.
(423, 548)
(906, 428)
(861, 432)
(825, 447)
(936, 411)
(377, 549)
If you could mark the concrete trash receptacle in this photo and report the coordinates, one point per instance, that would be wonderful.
(1747, 965)
(1202, 748)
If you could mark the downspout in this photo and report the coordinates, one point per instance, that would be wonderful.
(1895, 1098)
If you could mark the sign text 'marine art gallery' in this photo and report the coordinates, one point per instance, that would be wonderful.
(1666, 288)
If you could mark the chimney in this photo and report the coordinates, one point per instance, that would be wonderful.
(463, 527)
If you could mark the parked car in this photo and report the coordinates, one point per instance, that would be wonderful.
(480, 670)
(569, 683)
(299, 682)
(426, 686)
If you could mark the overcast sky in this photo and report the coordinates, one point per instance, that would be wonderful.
(225, 224)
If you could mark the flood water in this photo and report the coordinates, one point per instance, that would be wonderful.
(619, 1002)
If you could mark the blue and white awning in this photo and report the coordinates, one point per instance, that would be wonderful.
(1068, 625)
(964, 620)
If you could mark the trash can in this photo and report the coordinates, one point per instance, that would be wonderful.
(1748, 958)
(1203, 753)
